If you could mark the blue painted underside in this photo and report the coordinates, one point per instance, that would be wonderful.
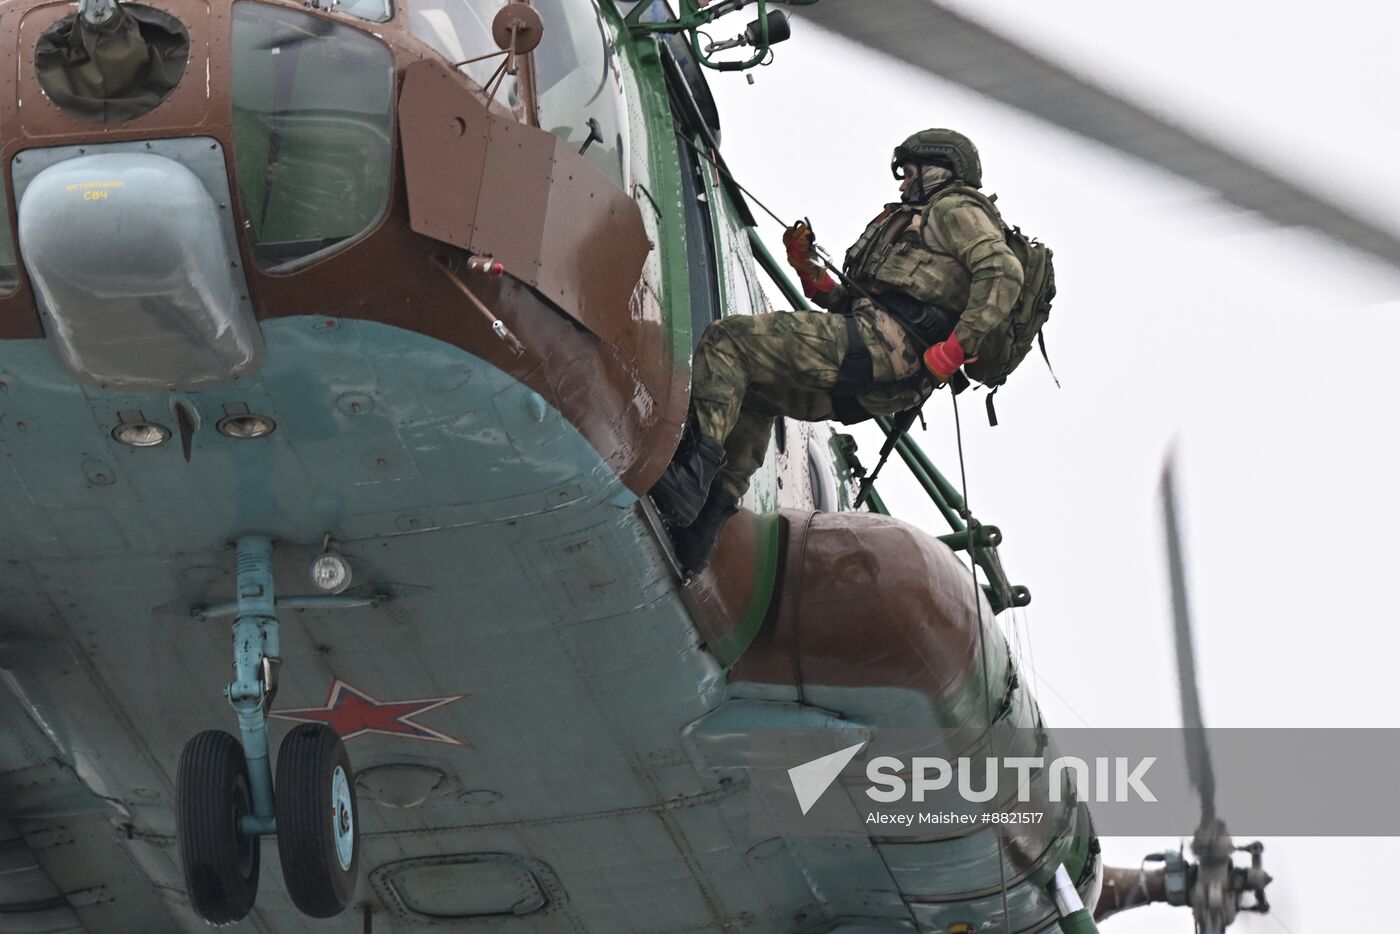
(523, 576)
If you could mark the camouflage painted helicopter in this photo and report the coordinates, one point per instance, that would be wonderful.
(404, 295)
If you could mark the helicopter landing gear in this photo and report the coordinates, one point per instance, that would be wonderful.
(224, 787)
(220, 862)
(317, 823)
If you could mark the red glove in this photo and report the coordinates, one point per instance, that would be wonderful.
(801, 256)
(943, 359)
(799, 241)
(814, 285)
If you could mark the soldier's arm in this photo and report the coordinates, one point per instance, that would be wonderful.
(975, 238)
(833, 299)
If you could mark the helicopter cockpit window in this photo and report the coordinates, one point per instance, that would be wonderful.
(376, 11)
(312, 131)
(461, 29)
(577, 83)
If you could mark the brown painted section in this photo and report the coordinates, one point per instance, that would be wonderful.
(867, 601)
(196, 107)
(718, 598)
(442, 131)
(192, 105)
(499, 188)
(188, 104)
(1130, 888)
(615, 380)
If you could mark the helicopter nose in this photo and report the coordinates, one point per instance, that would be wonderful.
(134, 260)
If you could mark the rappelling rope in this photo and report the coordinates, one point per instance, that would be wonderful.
(966, 514)
(821, 254)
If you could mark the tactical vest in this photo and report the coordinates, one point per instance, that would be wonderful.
(911, 274)
(890, 251)
(901, 257)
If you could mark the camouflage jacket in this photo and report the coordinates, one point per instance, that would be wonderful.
(948, 252)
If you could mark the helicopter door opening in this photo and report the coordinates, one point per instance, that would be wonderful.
(699, 243)
(694, 136)
(313, 131)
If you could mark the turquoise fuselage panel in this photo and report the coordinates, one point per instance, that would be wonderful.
(523, 581)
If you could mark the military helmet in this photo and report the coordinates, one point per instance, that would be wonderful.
(940, 145)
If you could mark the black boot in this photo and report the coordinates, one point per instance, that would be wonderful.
(695, 544)
(681, 491)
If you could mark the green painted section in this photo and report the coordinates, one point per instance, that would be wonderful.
(653, 127)
(658, 175)
(776, 272)
(692, 17)
(1081, 922)
(732, 646)
(1081, 847)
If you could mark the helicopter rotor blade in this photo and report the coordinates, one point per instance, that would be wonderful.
(946, 44)
(1197, 752)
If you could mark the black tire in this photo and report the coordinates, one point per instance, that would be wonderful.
(319, 880)
(220, 863)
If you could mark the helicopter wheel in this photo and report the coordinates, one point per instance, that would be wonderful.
(318, 833)
(219, 861)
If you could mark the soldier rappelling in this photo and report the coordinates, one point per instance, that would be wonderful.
(934, 282)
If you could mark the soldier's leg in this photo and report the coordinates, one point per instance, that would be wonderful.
(744, 450)
(798, 350)
(747, 446)
(801, 350)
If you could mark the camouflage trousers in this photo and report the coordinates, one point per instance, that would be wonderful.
(749, 370)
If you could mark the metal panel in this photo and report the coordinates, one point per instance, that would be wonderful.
(496, 187)
(133, 253)
(593, 245)
(469, 886)
(517, 180)
(444, 134)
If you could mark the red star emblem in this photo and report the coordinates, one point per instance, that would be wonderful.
(351, 713)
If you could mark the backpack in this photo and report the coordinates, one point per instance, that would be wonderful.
(1003, 349)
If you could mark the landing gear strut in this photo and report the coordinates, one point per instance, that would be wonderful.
(224, 789)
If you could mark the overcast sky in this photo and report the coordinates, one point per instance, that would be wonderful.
(1266, 353)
